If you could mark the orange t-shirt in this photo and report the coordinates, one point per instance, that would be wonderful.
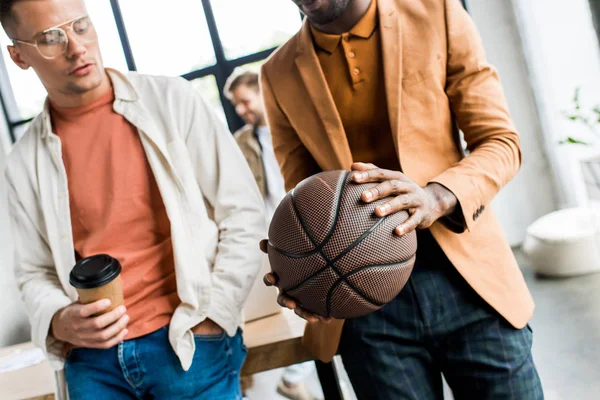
(117, 209)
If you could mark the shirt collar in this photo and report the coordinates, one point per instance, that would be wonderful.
(122, 88)
(363, 29)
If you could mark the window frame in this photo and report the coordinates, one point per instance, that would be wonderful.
(221, 70)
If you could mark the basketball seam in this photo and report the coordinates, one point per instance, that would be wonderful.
(319, 247)
(358, 240)
(343, 278)
(378, 266)
(295, 255)
(331, 263)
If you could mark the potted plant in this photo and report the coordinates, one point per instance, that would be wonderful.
(590, 166)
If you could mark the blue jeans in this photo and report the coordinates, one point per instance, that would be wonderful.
(148, 368)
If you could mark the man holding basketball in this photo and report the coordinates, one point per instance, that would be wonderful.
(382, 87)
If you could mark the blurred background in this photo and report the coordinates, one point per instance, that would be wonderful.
(545, 51)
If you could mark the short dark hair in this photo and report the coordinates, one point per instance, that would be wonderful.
(247, 78)
(6, 13)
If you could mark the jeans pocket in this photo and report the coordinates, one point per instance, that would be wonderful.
(242, 352)
(70, 354)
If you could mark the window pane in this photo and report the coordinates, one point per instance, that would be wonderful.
(208, 89)
(250, 67)
(245, 28)
(168, 39)
(108, 35)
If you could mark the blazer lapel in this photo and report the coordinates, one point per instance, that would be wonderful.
(391, 45)
(317, 88)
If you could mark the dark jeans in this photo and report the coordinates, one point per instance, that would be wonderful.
(147, 368)
(438, 325)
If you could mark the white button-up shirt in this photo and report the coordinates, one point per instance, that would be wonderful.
(214, 207)
(275, 185)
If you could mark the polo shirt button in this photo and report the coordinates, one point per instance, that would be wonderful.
(356, 71)
(351, 54)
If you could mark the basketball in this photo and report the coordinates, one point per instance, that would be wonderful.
(332, 254)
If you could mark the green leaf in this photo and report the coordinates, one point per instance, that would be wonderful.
(576, 98)
(573, 141)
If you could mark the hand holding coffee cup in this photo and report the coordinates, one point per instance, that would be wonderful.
(98, 319)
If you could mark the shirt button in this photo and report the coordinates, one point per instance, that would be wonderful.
(356, 71)
(351, 54)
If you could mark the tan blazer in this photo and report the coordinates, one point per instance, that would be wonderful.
(252, 151)
(437, 78)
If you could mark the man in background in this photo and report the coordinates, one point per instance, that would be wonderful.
(255, 141)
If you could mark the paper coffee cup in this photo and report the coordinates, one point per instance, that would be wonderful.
(98, 277)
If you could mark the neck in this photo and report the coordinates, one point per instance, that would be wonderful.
(350, 16)
(63, 99)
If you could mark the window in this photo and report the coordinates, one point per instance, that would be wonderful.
(168, 40)
(200, 40)
(108, 36)
(595, 9)
(207, 87)
(251, 28)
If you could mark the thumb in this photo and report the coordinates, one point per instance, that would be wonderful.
(359, 166)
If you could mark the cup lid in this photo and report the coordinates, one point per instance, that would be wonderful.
(94, 271)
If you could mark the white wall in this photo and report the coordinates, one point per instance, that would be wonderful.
(531, 193)
(562, 52)
(14, 327)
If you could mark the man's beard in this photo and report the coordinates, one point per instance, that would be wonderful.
(333, 12)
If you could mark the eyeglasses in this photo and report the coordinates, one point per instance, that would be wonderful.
(53, 42)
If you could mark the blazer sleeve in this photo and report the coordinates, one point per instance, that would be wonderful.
(295, 161)
(478, 103)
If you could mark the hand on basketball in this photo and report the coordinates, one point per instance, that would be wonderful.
(424, 204)
(270, 279)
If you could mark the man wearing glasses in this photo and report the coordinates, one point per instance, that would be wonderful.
(137, 167)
